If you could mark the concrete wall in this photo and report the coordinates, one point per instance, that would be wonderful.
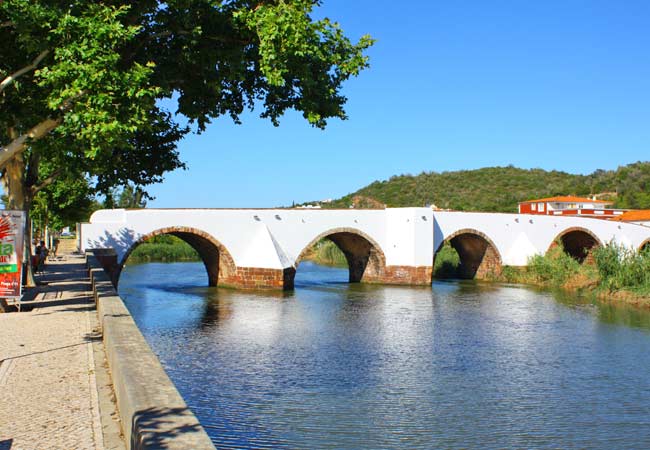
(151, 410)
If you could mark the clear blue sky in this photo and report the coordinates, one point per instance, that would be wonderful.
(452, 85)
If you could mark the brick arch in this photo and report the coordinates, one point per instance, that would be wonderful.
(218, 261)
(479, 256)
(645, 246)
(365, 257)
(578, 242)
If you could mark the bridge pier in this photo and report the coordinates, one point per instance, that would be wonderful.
(259, 278)
(400, 275)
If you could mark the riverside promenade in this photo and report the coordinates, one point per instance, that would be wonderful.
(55, 391)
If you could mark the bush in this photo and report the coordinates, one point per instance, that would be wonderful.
(446, 262)
(622, 268)
(556, 267)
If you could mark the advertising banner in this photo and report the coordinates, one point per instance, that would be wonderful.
(12, 229)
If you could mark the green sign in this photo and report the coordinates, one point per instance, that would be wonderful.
(8, 268)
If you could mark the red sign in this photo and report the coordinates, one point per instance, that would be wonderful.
(12, 228)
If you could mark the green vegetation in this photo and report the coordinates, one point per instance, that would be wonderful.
(622, 269)
(556, 268)
(327, 253)
(446, 262)
(164, 248)
(499, 189)
(612, 271)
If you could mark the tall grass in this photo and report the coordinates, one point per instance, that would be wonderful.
(621, 268)
(164, 248)
(555, 267)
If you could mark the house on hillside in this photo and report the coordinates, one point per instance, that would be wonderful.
(570, 206)
(640, 217)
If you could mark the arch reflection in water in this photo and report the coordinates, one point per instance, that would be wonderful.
(334, 365)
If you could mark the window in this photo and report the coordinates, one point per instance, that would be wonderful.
(533, 206)
(540, 207)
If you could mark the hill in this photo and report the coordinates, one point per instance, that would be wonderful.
(499, 189)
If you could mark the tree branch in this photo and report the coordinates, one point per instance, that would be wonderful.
(19, 144)
(46, 182)
(11, 78)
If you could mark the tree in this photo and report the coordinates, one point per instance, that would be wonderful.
(83, 80)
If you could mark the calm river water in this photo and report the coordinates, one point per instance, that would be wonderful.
(458, 365)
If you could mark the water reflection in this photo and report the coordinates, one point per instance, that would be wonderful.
(334, 365)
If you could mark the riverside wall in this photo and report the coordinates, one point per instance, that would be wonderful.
(152, 411)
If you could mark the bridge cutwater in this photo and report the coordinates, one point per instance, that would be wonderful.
(262, 248)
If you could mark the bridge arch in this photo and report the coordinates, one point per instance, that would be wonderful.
(577, 242)
(479, 256)
(218, 262)
(365, 257)
(645, 246)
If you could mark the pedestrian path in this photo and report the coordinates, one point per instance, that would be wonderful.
(48, 385)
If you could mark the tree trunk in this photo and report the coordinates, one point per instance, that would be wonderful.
(19, 198)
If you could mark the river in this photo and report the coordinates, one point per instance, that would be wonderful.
(334, 365)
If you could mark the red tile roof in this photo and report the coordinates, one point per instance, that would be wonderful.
(640, 215)
(568, 199)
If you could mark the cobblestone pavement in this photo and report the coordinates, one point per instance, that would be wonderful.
(48, 393)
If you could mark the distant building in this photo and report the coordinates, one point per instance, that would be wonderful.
(640, 217)
(570, 206)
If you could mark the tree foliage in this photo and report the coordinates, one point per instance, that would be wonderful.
(81, 84)
(83, 79)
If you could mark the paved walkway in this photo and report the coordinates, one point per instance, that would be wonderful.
(48, 386)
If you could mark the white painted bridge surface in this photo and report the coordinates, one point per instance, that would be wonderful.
(275, 238)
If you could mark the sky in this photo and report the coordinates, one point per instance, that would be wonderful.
(452, 85)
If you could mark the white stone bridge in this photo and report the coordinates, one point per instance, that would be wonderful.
(262, 248)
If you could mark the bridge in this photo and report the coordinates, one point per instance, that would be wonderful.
(263, 248)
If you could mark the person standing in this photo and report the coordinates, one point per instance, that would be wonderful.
(42, 252)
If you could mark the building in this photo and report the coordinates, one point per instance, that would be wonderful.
(569, 206)
(639, 217)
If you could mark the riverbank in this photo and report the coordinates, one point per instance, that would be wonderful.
(610, 273)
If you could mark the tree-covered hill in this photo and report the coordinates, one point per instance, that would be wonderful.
(501, 188)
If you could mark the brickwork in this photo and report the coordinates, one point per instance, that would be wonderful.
(219, 264)
(405, 275)
(645, 246)
(365, 258)
(578, 243)
(259, 278)
(479, 257)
